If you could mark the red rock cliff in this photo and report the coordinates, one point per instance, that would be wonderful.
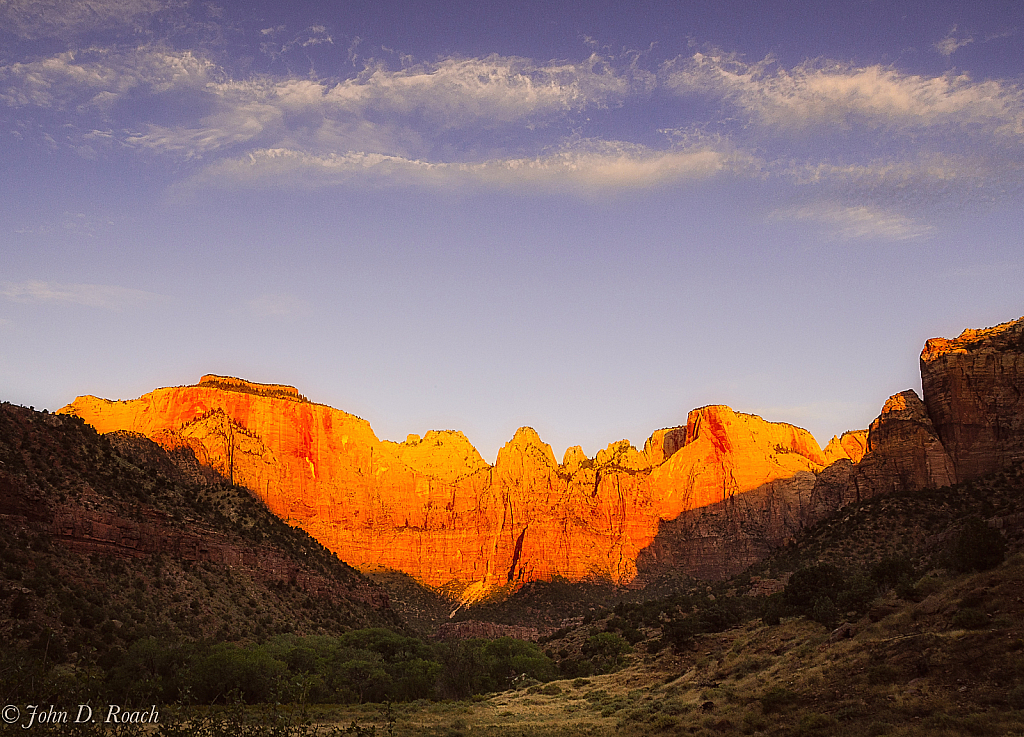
(431, 507)
(974, 391)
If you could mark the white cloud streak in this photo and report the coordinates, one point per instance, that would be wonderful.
(832, 94)
(509, 121)
(400, 113)
(88, 295)
(590, 168)
(97, 78)
(855, 222)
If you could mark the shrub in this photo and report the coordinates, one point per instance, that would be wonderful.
(664, 723)
(606, 650)
(814, 723)
(970, 618)
(883, 674)
(776, 699)
(772, 611)
(809, 584)
(978, 547)
(1016, 697)
(890, 571)
(824, 611)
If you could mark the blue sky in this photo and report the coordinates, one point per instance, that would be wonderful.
(585, 217)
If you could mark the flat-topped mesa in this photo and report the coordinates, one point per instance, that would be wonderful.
(231, 383)
(974, 391)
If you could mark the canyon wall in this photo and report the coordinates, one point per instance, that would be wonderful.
(433, 508)
(971, 422)
(706, 498)
(974, 391)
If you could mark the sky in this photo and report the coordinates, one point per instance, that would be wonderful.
(585, 217)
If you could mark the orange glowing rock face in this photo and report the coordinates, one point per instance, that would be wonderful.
(852, 444)
(727, 453)
(433, 508)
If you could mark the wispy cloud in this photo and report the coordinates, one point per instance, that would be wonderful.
(272, 45)
(948, 46)
(592, 166)
(497, 101)
(88, 295)
(860, 221)
(94, 79)
(858, 135)
(836, 94)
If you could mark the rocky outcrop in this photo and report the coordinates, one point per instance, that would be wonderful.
(904, 451)
(90, 531)
(899, 452)
(974, 391)
(432, 508)
(122, 497)
(623, 455)
(444, 454)
(663, 443)
(726, 453)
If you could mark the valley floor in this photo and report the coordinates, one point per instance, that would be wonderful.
(922, 668)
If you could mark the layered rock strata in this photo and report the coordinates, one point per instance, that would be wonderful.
(974, 391)
(432, 508)
(971, 422)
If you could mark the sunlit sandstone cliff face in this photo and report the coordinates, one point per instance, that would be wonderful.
(899, 452)
(433, 508)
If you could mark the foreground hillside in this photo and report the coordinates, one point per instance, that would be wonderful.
(920, 642)
(106, 542)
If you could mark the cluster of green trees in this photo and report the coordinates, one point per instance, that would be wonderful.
(826, 594)
(366, 665)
